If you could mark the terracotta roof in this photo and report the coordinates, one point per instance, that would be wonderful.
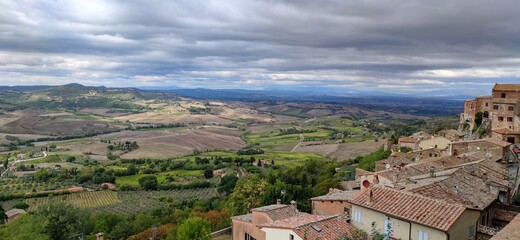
(461, 188)
(510, 232)
(506, 87)
(412, 207)
(338, 196)
(13, 212)
(498, 142)
(505, 131)
(331, 229)
(277, 211)
(407, 139)
(244, 218)
(350, 185)
(504, 215)
(293, 222)
(490, 231)
(484, 97)
(490, 140)
(313, 227)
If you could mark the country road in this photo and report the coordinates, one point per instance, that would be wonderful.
(13, 165)
(297, 145)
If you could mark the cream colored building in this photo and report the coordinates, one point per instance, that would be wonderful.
(412, 217)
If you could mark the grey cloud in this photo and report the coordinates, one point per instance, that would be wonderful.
(337, 43)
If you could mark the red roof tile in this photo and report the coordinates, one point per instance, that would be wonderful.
(407, 140)
(277, 211)
(510, 232)
(506, 87)
(331, 229)
(415, 208)
(505, 131)
(306, 226)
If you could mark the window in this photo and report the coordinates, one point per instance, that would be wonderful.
(487, 104)
(346, 210)
(511, 108)
(423, 235)
(495, 107)
(291, 237)
(248, 237)
(357, 216)
(500, 118)
(388, 227)
(503, 95)
(509, 119)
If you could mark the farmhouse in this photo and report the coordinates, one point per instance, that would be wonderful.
(13, 214)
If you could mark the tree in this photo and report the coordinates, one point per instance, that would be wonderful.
(3, 216)
(148, 182)
(516, 200)
(6, 162)
(478, 118)
(21, 205)
(63, 220)
(208, 173)
(227, 183)
(71, 159)
(194, 229)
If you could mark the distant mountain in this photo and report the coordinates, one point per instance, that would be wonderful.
(25, 88)
(395, 103)
(75, 95)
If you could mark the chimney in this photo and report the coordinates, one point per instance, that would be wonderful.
(432, 172)
(488, 186)
(278, 201)
(484, 175)
(370, 197)
(100, 236)
(293, 205)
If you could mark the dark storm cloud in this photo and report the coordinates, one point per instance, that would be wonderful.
(398, 46)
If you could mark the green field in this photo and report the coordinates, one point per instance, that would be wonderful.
(279, 158)
(133, 180)
(80, 200)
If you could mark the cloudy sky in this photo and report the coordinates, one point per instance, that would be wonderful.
(400, 46)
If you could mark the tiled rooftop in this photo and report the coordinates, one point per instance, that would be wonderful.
(497, 142)
(277, 211)
(243, 218)
(338, 196)
(313, 227)
(331, 229)
(504, 215)
(407, 140)
(510, 232)
(505, 131)
(461, 188)
(293, 222)
(269, 208)
(415, 208)
(14, 212)
(506, 87)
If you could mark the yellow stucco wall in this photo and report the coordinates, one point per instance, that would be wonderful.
(402, 229)
(279, 234)
(460, 230)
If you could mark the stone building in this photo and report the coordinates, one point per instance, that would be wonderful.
(502, 109)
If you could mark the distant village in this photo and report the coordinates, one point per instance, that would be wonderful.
(455, 184)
